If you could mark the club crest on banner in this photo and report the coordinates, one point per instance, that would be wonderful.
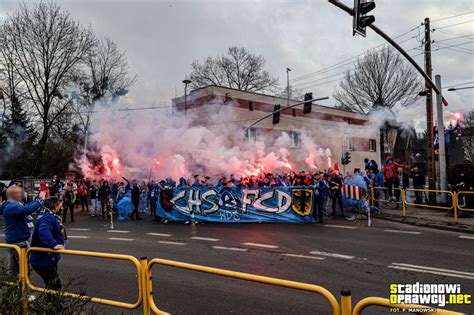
(302, 201)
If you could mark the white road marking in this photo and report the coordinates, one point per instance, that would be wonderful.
(331, 255)
(159, 234)
(210, 239)
(466, 237)
(77, 236)
(172, 243)
(436, 271)
(121, 239)
(432, 268)
(236, 249)
(340, 226)
(402, 232)
(303, 256)
(78, 229)
(260, 245)
(117, 231)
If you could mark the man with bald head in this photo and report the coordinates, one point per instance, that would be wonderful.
(18, 222)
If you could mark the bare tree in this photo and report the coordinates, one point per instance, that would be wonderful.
(381, 79)
(467, 138)
(49, 48)
(239, 69)
(106, 77)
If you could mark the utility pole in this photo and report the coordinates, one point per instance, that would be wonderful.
(441, 142)
(429, 111)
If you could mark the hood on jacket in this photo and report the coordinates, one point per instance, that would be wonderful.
(388, 158)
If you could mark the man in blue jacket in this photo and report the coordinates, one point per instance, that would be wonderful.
(50, 233)
(18, 223)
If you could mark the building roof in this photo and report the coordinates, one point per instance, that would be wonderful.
(261, 98)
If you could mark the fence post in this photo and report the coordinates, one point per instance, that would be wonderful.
(23, 266)
(404, 203)
(346, 302)
(455, 206)
(144, 284)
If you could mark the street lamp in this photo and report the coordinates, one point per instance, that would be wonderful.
(186, 82)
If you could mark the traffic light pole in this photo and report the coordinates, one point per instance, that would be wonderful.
(391, 42)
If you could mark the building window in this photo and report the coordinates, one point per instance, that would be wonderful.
(295, 138)
(250, 135)
(372, 145)
(250, 106)
(349, 144)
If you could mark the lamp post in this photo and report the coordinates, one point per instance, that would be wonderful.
(186, 82)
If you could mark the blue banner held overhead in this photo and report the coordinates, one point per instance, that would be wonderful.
(238, 205)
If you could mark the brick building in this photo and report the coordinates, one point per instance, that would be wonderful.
(332, 128)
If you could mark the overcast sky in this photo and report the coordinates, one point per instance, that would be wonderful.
(163, 37)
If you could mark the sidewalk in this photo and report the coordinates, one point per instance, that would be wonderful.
(433, 218)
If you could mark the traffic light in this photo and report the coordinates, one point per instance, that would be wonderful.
(307, 105)
(361, 19)
(276, 116)
(346, 159)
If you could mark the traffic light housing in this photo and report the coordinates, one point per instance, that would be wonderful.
(361, 19)
(307, 105)
(346, 159)
(276, 116)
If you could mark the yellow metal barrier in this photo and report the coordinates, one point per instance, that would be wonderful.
(447, 192)
(370, 301)
(18, 250)
(136, 263)
(461, 194)
(239, 275)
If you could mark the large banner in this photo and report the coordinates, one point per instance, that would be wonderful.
(234, 205)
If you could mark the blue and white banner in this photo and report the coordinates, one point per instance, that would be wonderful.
(234, 205)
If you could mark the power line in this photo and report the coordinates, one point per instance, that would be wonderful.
(447, 32)
(452, 38)
(458, 49)
(452, 16)
(455, 24)
(323, 70)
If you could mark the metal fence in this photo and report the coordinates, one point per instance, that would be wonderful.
(441, 200)
(145, 299)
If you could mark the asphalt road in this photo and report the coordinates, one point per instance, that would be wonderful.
(336, 255)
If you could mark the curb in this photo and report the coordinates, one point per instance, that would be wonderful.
(428, 224)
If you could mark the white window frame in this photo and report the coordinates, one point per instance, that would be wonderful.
(251, 135)
(295, 138)
(349, 144)
(372, 145)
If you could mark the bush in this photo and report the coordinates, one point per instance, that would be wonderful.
(43, 303)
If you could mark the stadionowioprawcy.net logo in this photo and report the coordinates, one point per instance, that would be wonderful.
(428, 294)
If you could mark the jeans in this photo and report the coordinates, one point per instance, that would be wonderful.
(13, 260)
(337, 198)
(95, 206)
(50, 277)
(84, 203)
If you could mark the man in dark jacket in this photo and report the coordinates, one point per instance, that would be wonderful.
(136, 192)
(104, 196)
(18, 223)
(48, 233)
(418, 183)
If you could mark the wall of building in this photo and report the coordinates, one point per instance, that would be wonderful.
(331, 128)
